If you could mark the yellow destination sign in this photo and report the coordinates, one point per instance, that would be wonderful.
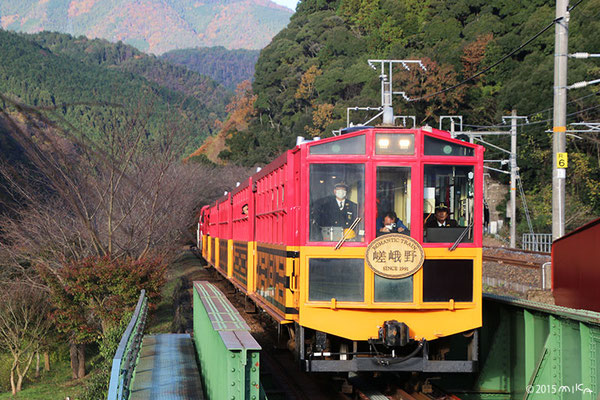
(395, 256)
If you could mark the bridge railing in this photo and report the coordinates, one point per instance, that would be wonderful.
(537, 242)
(126, 355)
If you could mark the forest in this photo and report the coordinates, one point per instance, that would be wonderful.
(317, 67)
(93, 83)
(228, 67)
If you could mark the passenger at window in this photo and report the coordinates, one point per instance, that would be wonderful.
(441, 218)
(337, 210)
(245, 209)
(392, 224)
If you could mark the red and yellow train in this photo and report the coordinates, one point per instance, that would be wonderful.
(306, 238)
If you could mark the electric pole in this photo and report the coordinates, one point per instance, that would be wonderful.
(514, 171)
(513, 179)
(560, 118)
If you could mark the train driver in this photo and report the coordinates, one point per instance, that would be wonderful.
(441, 218)
(337, 210)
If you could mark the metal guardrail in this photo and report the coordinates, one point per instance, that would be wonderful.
(126, 355)
(537, 242)
(229, 356)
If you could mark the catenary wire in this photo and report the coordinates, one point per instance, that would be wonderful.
(530, 123)
(490, 67)
(551, 24)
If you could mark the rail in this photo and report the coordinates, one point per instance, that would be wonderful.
(126, 355)
(513, 261)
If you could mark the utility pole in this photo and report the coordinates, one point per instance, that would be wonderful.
(560, 117)
(514, 170)
(387, 92)
(512, 161)
(513, 179)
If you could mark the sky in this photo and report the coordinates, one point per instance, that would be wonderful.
(288, 3)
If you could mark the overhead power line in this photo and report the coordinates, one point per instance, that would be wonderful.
(570, 102)
(483, 71)
(574, 5)
(531, 123)
(550, 25)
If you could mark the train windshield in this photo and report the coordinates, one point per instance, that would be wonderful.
(393, 200)
(448, 203)
(337, 195)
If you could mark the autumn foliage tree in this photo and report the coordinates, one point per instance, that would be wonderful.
(91, 296)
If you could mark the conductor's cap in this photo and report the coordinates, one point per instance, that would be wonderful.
(442, 207)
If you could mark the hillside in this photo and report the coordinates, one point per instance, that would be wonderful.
(317, 67)
(122, 57)
(95, 84)
(228, 67)
(153, 26)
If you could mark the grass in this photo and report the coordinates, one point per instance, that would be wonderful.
(186, 266)
(56, 384)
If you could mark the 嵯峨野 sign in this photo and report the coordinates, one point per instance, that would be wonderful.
(395, 256)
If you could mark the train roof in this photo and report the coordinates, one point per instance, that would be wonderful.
(357, 131)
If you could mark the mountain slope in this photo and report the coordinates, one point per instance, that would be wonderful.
(228, 67)
(154, 26)
(118, 56)
(79, 89)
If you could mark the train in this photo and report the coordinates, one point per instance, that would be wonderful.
(366, 248)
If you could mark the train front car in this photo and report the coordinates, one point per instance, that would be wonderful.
(389, 263)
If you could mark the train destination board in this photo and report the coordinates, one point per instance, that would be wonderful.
(394, 256)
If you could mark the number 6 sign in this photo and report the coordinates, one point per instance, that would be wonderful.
(562, 160)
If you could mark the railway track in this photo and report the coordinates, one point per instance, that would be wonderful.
(422, 390)
(519, 258)
(280, 374)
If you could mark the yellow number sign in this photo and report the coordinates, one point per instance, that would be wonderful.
(395, 256)
(562, 160)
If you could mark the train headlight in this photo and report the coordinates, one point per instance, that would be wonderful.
(395, 143)
(404, 143)
(383, 143)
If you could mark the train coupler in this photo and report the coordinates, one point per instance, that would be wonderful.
(394, 333)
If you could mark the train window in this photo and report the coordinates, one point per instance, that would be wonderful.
(394, 143)
(339, 278)
(337, 193)
(393, 290)
(352, 145)
(444, 280)
(448, 203)
(393, 200)
(439, 147)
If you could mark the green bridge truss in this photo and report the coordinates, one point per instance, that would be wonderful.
(533, 351)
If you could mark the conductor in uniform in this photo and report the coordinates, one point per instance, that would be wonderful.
(441, 218)
(337, 210)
